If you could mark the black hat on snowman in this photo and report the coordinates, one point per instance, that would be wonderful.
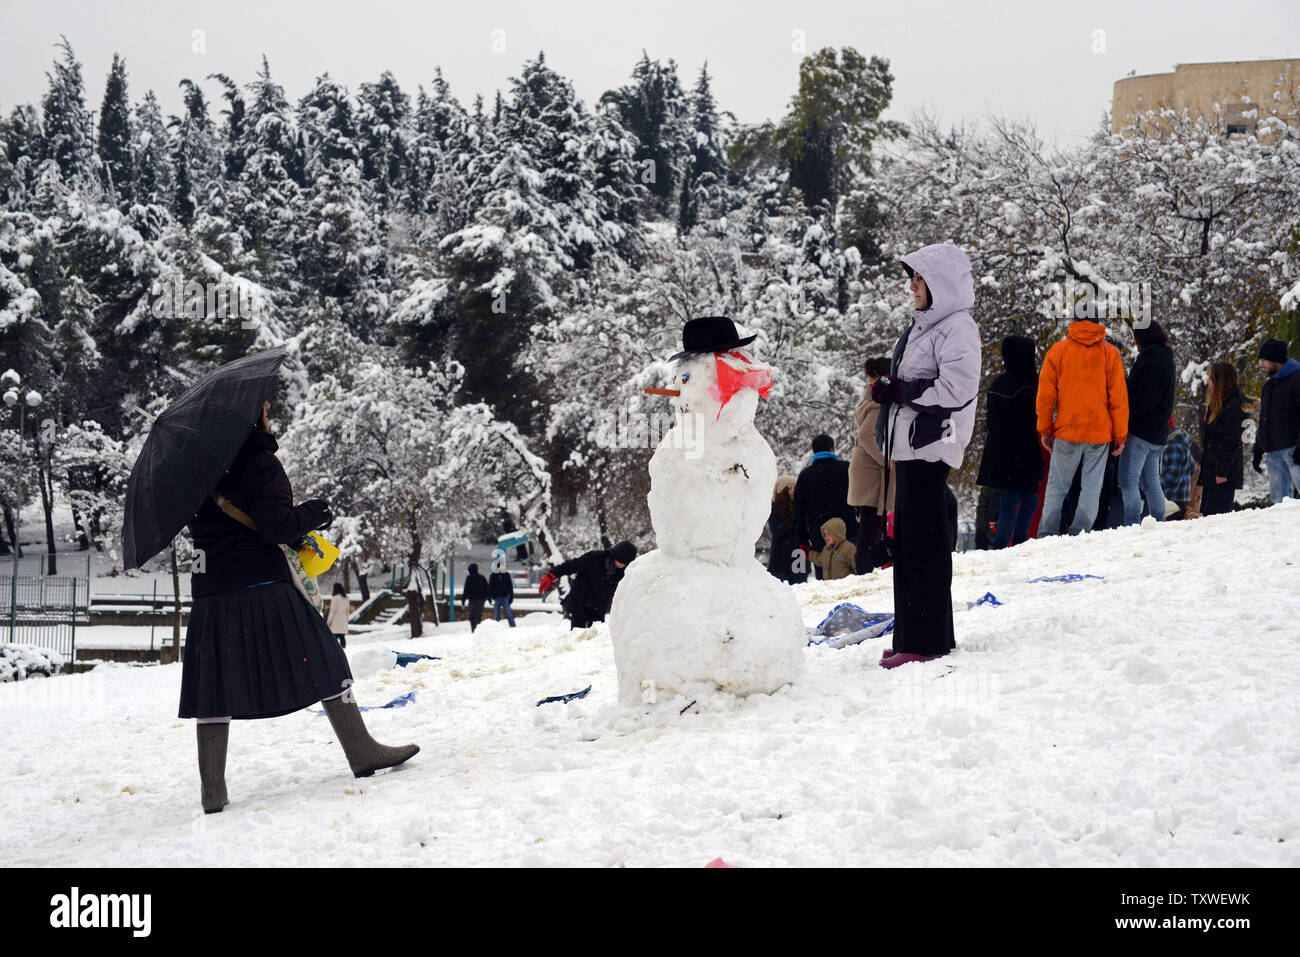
(709, 334)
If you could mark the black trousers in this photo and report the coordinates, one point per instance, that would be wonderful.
(475, 613)
(923, 566)
(871, 528)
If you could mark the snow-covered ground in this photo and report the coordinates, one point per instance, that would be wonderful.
(1146, 719)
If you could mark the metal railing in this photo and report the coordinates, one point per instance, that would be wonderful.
(44, 611)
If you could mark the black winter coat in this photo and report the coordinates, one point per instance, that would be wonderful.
(1279, 410)
(475, 588)
(234, 556)
(1011, 458)
(785, 540)
(821, 493)
(1222, 444)
(591, 589)
(1151, 394)
(501, 585)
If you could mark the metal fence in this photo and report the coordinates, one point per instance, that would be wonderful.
(44, 611)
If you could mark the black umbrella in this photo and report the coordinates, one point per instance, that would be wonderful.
(189, 448)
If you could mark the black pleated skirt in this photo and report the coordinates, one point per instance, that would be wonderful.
(258, 652)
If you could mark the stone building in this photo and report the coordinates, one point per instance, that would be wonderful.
(1239, 93)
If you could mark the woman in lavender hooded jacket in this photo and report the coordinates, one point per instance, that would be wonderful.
(925, 424)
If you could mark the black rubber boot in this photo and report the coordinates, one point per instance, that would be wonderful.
(212, 765)
(365, 754)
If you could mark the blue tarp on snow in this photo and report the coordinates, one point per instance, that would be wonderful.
(405, 658)
(847, 624)
(1072, 577)
(565, 697)
(399, 702)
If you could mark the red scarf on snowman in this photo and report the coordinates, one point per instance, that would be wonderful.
(738, 371)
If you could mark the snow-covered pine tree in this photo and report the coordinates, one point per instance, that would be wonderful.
(656, 110)
(383, 115)
(115, 140)
(704, 171)
(65, 122)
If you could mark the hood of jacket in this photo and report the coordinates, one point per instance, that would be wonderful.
(1288, 367)
(946, 271)
(835, 526)
(1086, 333)
(1018, 356)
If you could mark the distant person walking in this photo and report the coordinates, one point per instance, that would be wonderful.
(340, 612)
(1150, 403)
(501, 589)
(1013, 462)
(1278, 438)
(871, 485)
(1221, 439)
(474, 594)
(1082, 413)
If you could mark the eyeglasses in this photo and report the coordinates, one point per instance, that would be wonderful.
(915, 281)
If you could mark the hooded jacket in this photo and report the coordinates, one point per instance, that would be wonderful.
(475, 587)
(1011, 460)
(1151, 393)
(1279, 409)
(840, 559)
(1083, 383)
(938, 360)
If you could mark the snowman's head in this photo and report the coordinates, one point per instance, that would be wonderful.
(720, 386)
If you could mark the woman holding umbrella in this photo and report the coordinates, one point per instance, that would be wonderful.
(255, 648)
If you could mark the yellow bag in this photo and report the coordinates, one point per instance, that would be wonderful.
(317, 555)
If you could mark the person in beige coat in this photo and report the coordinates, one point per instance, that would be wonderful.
(339, 613)
(867, 471)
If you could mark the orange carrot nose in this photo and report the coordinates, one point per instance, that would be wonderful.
(663, 391)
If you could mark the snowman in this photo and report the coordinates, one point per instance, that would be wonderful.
(699, 614)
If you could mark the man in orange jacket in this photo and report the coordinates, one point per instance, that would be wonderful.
(1082, 412)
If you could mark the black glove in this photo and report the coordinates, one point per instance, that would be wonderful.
(1259, 457)
(317, 512)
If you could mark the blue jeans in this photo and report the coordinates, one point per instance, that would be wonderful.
(1139, 465)
(498, 604)
(1066, 457)
(1015, 512)
(1283, 473)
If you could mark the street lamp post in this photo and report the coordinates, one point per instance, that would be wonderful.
(10, 382)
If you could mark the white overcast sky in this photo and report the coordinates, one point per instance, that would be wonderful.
(1031, 58)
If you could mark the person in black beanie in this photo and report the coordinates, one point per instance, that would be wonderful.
(1278, 436)
(821, 493)
(596, 575)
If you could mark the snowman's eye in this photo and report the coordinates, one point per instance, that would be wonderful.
(686, 377)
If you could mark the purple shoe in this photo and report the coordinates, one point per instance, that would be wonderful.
(888, 653)
(903, 658)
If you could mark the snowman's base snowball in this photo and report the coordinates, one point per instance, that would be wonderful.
(689, 627)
